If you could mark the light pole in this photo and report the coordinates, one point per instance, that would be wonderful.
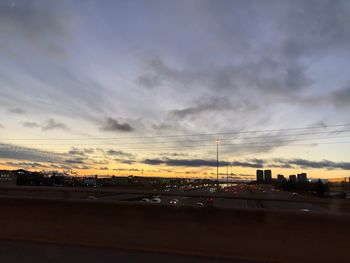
(217, 165)
(227, 174)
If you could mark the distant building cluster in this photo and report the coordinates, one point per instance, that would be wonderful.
(28, 178)
(8, 177)
(265, 177)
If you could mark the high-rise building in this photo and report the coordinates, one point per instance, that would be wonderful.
(293, 178)
(268, 176)
(302, 178)
(260, 176)
(280, 178)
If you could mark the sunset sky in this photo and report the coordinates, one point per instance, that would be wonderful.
(146, 87)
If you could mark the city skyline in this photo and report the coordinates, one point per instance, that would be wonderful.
(147, 87)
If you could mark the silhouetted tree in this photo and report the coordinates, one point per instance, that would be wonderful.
(320, 187)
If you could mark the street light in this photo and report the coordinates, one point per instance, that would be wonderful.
(217, 164)
(227, 173)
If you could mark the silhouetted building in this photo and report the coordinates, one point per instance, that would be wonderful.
(89, 182)
(267, 176)
(293, 178)
(260, 176)
(280, 178)
(302, 178)
(8, 177)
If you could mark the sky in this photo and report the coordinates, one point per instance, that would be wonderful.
(147, 87)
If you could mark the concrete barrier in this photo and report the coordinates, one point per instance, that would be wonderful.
(246, 234)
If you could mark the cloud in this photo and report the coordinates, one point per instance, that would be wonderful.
(44, 33)
(125, 161)
(341, 97)
(199, 162)
(315, 27)
(76, 160)
(128, 169)
(307, 164)
(52, 124)
(124, 157)
(119, 153)
(81, 152)
(253, 163)
(217, 104)
(174, 154)
(114, 125)
(149, 82)
(31, 125)
(27, 164)
(162, 126)
(100, 162)
(263, 75)
(17, 111)
(9, 151)
(214, 76)
(38, 22)
(34, 158)
(75, 151)
(1, 126)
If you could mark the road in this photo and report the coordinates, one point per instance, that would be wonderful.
(236, 197)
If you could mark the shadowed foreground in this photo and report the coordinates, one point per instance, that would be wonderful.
(55, 253)
(236, 234)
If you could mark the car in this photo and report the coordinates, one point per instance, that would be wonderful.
(145, 200)
(156, 200)
(294, 194)
(305, 210)
(174, 201)
(91, 197)
(199, 204)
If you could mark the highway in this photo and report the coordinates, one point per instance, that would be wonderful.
(235, 197)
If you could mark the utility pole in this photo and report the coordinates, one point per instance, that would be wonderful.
(217, 165)
(227, 175)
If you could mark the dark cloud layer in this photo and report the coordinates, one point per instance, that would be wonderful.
(213, 104)
(197, 163)
(27, 164)
(52, 124)
(81, 152)
(48, 125)
(341, 97)
(8, 151)
(113, 125)
(76, 160)
(253, 163)
(302, 163)
(119, 153)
